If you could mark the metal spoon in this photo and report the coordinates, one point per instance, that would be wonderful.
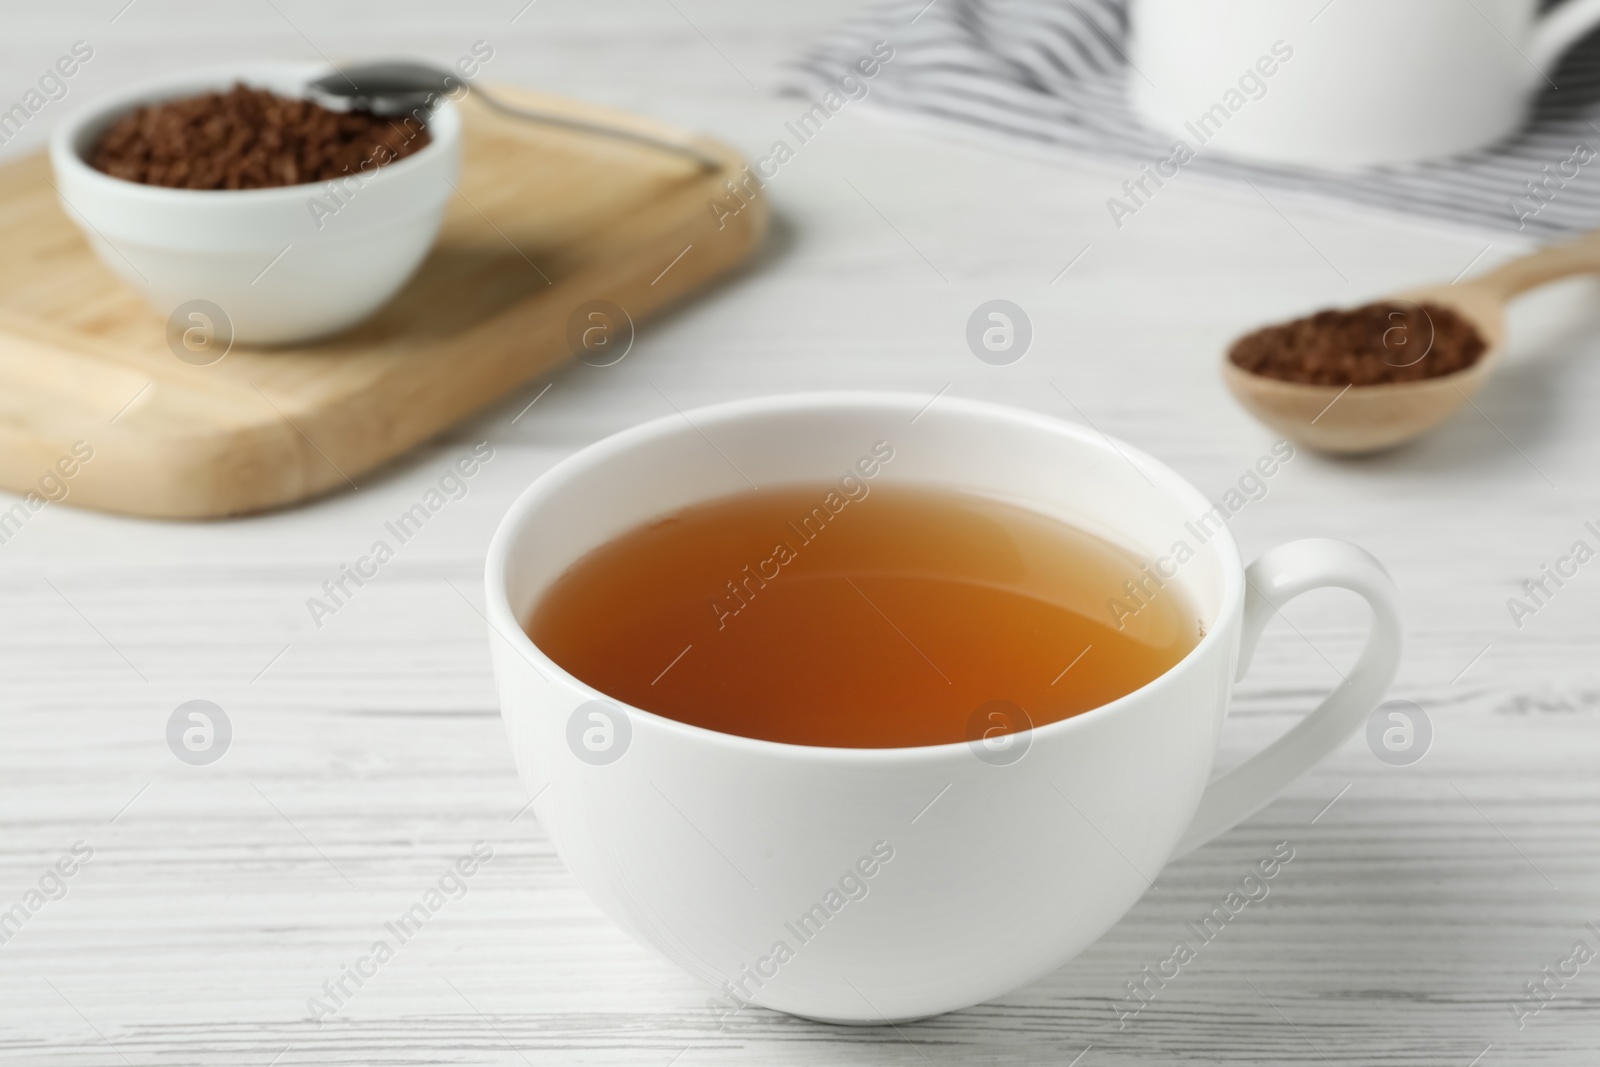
(1366, 418)
(398, 87)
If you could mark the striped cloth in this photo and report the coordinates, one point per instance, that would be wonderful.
(1053, 71)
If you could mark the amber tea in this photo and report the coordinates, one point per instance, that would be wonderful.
(884, 617)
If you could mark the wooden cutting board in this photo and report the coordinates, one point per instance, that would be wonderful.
(547, 220)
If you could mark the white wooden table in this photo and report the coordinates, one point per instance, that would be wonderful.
(368, 755)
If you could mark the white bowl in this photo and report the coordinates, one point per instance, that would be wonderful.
(284, 264)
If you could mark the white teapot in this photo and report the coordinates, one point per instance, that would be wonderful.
(1345, 84)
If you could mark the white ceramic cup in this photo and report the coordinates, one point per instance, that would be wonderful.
(284, 265)
(1345, 83)
(954, 876)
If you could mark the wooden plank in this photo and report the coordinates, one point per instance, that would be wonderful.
(545, 220)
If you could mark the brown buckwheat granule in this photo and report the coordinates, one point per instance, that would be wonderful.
(250, 139)
(1372, 345)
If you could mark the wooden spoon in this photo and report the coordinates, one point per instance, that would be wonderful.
(1366, 418)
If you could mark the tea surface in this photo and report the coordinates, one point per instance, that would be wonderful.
(798, 614)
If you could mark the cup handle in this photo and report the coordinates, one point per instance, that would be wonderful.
(1558, 31)
(1281, 574)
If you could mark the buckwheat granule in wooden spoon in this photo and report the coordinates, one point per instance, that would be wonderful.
(1376, 344)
